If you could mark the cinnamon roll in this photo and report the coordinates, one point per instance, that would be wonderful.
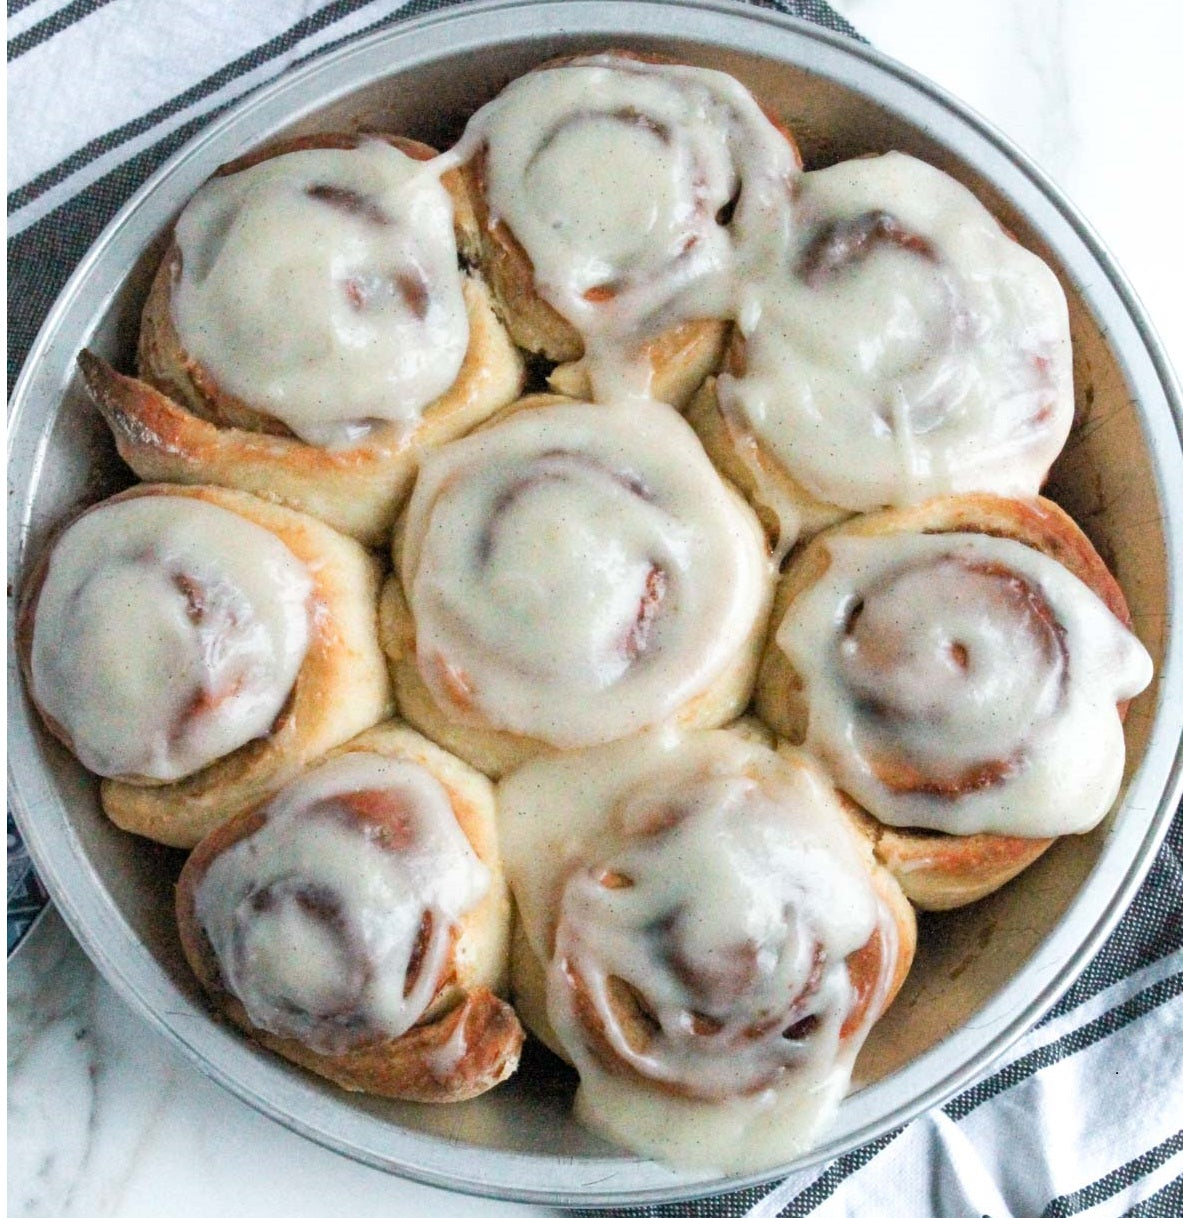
(963, 668)
(196, 646)
(703, 937)
(570, 575)
(357, 922)
(311, 330)
(906, 347)
(621, 202)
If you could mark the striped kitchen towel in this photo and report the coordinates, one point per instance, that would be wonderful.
(1084, 1115)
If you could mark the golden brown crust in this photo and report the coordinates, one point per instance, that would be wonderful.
(527, 974)
(26, 619)
(402, 1069)
(469, 1039)
(939, 871)
(865, 969)
(341, 689)
(682, 357)
(177, 424)
(531, 322)
(738, 456)
(936, 870)
(345, 140)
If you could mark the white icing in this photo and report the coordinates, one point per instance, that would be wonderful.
(444, 1060)
(578, 572)
(612, 173)
(937, 361)
(950, 666)
(316, 920)
(745, 895)
(321, 287)
(905, 372)
(168, 633)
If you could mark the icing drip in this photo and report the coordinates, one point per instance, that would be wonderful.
(964, 683)
(321, 287)
(643, 194)
(332, 923)
(907, 347)
(702, 898)
(168, 633)
(578, 572)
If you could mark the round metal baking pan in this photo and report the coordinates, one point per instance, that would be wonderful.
(984, 974)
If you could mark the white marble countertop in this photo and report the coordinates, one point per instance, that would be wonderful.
(1090, 89)
(106, 1120)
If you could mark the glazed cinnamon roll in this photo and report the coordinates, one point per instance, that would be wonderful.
(357, 922)
(621, 201)
(963, 668)
(907, 347)
(703, 936)
(311, 330)
(570, 575)
(195, 647)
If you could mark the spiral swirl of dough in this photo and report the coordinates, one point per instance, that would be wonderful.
(713, 942)
(690, 947)
(168, 632)
(641, 194)
(578, 572)
(332, 922)
(963, 683)
(909, 347)
(321, 287)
